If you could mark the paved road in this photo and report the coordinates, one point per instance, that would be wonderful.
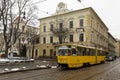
(105, 71)
(111, 74)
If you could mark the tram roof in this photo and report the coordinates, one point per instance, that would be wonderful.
(77, 45)
(86, 46)
(81, 46)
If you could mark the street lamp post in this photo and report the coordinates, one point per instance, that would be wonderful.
(28, 43)
(28, 48)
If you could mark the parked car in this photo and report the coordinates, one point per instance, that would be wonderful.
(13, 54)
(4, 60)
(109, 58)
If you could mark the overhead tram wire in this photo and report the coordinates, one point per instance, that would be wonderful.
(45, 12)
(42, 10)
(37, 2)
(81, 3)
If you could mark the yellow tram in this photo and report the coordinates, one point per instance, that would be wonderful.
(73, 56)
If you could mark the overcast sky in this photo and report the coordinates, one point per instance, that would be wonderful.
(107, 10)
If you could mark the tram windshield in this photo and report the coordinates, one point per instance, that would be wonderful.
(63, 50)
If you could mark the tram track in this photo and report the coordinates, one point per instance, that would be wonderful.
(46, 73)
(82, 76)
(54, 72)
(104, 71)
(69, 74)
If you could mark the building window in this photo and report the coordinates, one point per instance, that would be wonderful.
(36, 40)
(44, 40)
(51, 52)
(81, 23)
(71, 38)
(60, 26)
(44, 28)
(51, 39)
(44, 52)
(60, 39)
(51, 27)
(71, 24)
(81, 37)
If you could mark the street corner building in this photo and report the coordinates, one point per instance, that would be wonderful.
(83, 27)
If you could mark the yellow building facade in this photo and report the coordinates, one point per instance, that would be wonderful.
(111, 45)
(84, 28)
(117, 49)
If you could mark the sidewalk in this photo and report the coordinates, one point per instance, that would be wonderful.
(47, 62)
(37, 64)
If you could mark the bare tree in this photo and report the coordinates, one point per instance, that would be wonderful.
(33, 37)
(12, 14)
(1, 42)
(61, 33)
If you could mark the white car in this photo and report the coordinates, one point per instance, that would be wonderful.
(109, 58)
(3, 60)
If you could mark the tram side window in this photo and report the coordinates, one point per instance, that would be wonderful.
(106, 53)
(102, 53)
(73, 51)
(88, 52)
(79, 51)
(92, 52)
(83, 51)
(69, 52)
(99, 53)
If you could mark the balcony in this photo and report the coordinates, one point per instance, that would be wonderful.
(80, 30)
(55, 44)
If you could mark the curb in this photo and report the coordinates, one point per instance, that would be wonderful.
(23, 70)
